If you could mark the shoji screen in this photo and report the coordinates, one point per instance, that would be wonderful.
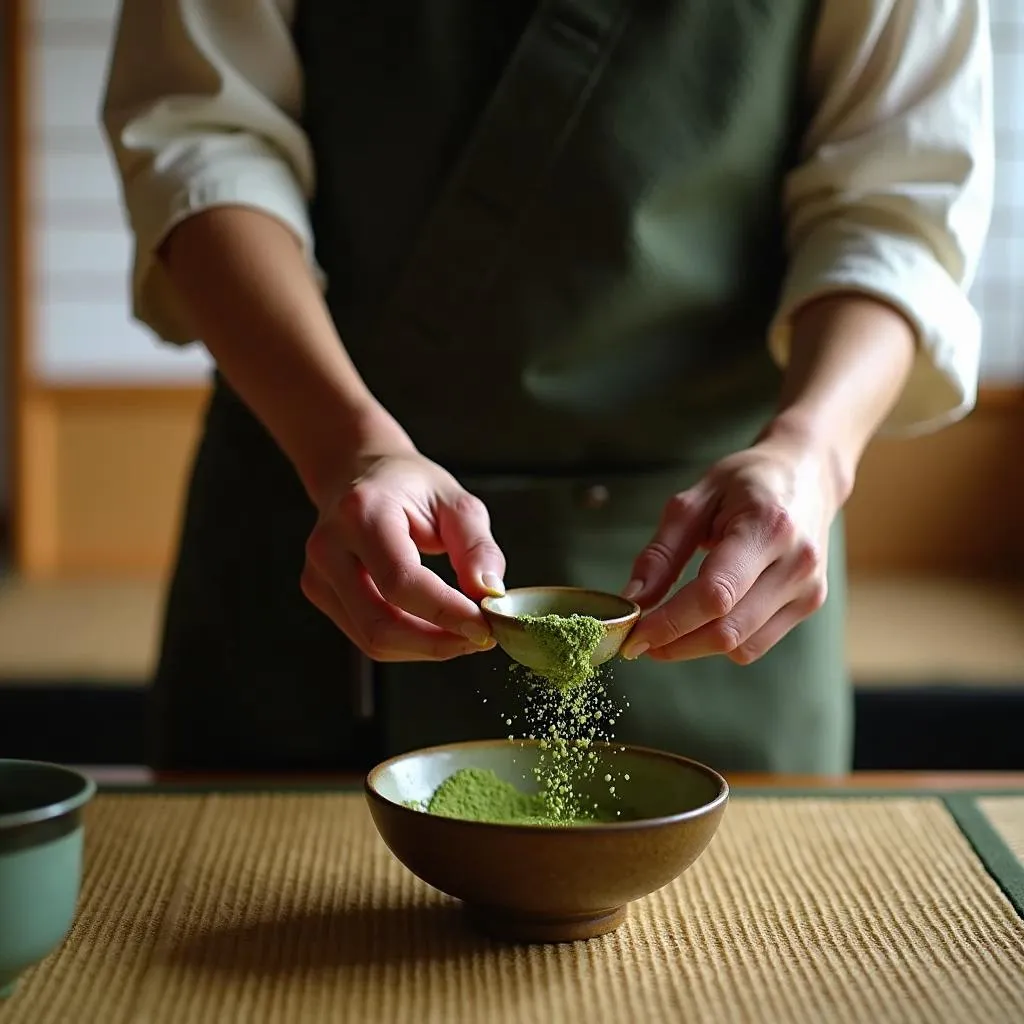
(999, 290)
(83, 331)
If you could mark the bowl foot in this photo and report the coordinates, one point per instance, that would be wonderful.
(542, 928)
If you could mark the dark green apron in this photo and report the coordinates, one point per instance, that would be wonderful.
(554, 241)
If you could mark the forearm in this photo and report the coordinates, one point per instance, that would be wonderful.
(246, 287)
(850, 358)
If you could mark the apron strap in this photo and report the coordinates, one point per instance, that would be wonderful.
(549, 79)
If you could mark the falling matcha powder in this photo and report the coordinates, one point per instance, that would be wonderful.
(565, 709)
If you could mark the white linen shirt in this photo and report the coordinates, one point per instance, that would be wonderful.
(891, 196)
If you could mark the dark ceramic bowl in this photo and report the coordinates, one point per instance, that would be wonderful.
(549, 883)
(40, 860)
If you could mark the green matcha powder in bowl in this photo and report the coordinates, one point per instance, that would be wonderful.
(478, 794)
(518, 879)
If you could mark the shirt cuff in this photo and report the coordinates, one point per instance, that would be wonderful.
(943, 383)
(158, 201)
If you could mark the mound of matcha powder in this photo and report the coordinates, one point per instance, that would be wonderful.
(477, 794)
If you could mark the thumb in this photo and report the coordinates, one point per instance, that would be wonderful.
(465, 529)
(684, 526)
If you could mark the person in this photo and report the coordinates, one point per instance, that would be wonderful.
(600, 292)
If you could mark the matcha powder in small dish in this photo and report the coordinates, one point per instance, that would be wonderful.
(568, 643)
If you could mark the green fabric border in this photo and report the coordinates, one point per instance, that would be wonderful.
(1000, 861)
(869, 791)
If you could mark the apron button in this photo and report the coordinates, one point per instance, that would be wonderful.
(596, 496)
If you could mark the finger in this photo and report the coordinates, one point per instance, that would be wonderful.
(725, 577)
(684, 524)
(424, 532)
(320, 594)
(465, 529)
(773, 591)
(378, 535)
(379, 630)
(781, 623)
(391, 633)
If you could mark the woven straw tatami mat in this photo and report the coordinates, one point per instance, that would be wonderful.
(245, 909)
(1007, 816)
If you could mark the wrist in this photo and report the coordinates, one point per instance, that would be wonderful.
(334, 455)
(850, 356)
(814, 436)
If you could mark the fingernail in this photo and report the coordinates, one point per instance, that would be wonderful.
(633, 587)
(493, 584)
(632, 652)
(477, 634)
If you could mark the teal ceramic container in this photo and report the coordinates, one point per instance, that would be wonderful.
(40, 860)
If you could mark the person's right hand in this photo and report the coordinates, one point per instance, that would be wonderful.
(363, 566)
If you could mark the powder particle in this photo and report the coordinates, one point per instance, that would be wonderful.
(568, 643)
(566, 722)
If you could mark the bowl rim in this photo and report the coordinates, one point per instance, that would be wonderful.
(720, 799)
(487, 604)
(57, 809)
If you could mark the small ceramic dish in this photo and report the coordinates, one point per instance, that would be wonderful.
(617, 614)
(539, 883)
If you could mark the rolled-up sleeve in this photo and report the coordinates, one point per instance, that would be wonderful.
(201, 109)
(893, 194)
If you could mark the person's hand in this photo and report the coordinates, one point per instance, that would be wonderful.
(363, 567)
(763, 517)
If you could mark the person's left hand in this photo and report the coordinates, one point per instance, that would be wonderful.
(763, 516)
